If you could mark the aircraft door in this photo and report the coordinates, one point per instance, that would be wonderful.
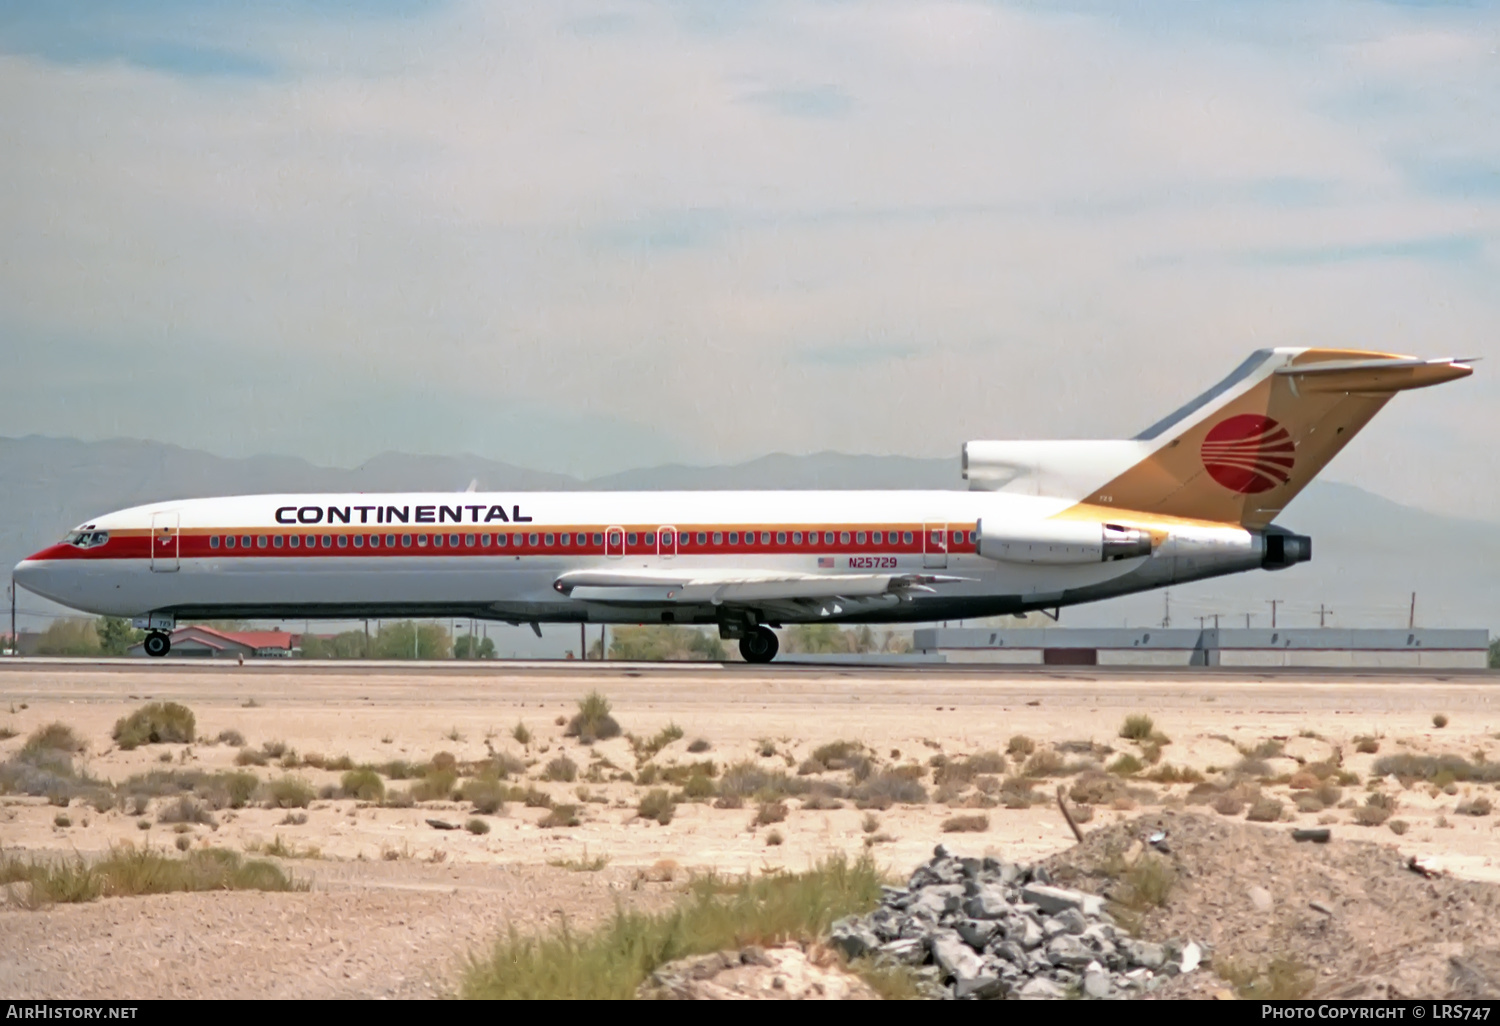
(934, 545)
(614, 542)
(164, 543)
(666, 542)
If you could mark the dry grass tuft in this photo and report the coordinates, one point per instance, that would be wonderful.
(287, 792)
(1266, 810)
(157, 723)
(1479, 806)
(561, 769)
(593, 721)
(560, 816)
(966, 824)
(1020, 746)
(1228, 804)
(1137, 727)
(477, 826)
(1282, 979)
(127, 872)
(54, 737)
(657, 805)
(1366, 745)
(363, 784)
(1439, 721)
(699, 745)
(768, 813)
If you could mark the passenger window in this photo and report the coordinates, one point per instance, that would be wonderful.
(453, 540)
(598, 539)
(229, 542)
(548, 539)
(343, 541)
(565, 540)
(213, 541)
(630, 538)
(406, 541)
(765, 537)
(906, 537)
(843, 537)
(390, 541)
(437, 541)
(650, 537)
(780, 537)
(484, 541)
(244, 541)
(796, 537)
(359, 541)
(502, 540)
(702, 538)
(734, 537)
(958, 537)
(859, 538)
(531, 540)
(666, 539)
(278, 541)
(718, 537)
(295, 541)
(421, 541)
(878, 538)
(374, 541)
(260, 541)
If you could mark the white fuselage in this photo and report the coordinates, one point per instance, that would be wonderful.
(501, 555)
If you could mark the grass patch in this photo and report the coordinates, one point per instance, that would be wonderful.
(646, 748)
(1366, 745)
(1137, 727)
(698, 746)
(1438, 769)
(486, 795)
(363, 784)
(718, 914)
(477, 826)
(889, 787)
(593, 721)
(583, 864)
(657, 805)
(127, 872)
(436, 786)
(1169, 774)
(521, 734)
(747, 779)
(1439, 721)
(1266, 810)
(287, 792)
(1474, 807)
(1282, 979)
(561, 769)
(1020, 746)
(560, 816)
(185, 810)
(54, 737)
(1145, 884)
(966, 824)
(769, 812)
(154, 724)
(1126, 765)
(964, 771)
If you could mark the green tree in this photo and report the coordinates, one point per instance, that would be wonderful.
(69, 638)
(827, 637)
(659, 644)
(1495, 654)
(466, 646)
(407, 639)
(347, 645)
(116, 635)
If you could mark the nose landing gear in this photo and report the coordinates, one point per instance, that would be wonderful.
(759, 645)
(158, 644)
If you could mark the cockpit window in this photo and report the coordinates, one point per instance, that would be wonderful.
(87, 539)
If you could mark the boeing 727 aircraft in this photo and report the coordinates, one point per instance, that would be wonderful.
(1043, 525)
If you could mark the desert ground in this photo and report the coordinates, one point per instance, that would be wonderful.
(396, 902)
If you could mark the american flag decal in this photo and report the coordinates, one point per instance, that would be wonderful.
(825, 562)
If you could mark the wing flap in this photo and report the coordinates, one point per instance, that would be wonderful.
(720, 587)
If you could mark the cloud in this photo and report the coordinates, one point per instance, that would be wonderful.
(643, 231)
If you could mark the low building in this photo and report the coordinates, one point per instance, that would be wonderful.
(199, 642)
(1312, 646)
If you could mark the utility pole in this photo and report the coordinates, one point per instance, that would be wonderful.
(1273, 603)
(1322, 613)
(366, 653)
(1411, 618)
(1166, 616)
(1216, 621)
(15, 642)
(583, 642)
(1247, 621)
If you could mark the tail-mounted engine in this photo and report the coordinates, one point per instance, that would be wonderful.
(1283, 549)
(1061, 542)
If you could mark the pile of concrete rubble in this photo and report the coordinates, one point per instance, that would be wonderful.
(982, 928)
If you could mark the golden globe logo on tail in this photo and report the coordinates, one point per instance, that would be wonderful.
(1249, 453)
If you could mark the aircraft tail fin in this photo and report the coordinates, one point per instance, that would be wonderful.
(1241, 451)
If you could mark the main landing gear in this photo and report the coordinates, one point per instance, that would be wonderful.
(759, 645)
(158, 644)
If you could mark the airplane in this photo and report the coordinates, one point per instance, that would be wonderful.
(1044, 524)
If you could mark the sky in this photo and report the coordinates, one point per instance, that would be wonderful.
(585, 237)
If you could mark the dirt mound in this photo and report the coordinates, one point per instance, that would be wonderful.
(784, 973)
(1287, 919)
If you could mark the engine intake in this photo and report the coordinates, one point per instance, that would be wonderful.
(1062, 542)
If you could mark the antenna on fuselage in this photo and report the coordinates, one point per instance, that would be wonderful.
(473, 486)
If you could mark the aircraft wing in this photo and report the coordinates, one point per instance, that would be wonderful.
(836, 593)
